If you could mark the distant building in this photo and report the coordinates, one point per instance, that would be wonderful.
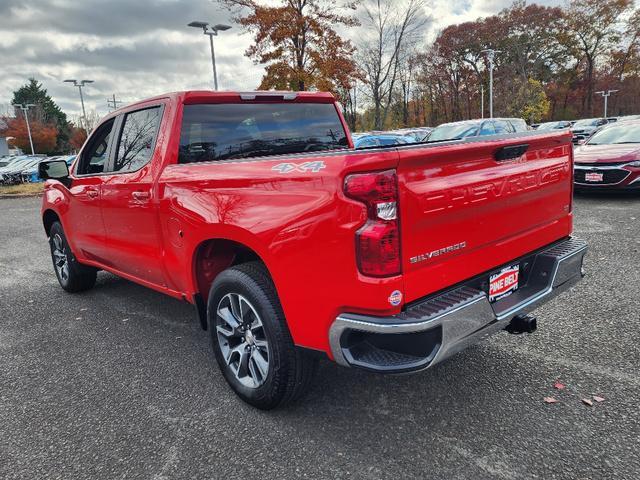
(4, 148)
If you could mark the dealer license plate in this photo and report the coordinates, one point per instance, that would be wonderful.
(503, 283)
(593, 177)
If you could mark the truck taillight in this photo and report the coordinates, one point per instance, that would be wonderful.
(378, 240)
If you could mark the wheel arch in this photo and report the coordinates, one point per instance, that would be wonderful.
(49, 217)
(211, 257)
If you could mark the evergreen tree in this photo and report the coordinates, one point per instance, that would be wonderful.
(47, 111)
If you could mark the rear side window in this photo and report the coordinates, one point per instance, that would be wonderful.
(136, 140)
(213, 132)
(519, 125)
(503, 127)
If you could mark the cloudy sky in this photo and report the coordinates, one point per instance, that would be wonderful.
(139, 48)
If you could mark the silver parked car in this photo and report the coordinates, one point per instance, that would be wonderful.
(476, 128)
(586, 127)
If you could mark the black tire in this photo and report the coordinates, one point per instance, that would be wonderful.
(290, 370)
(76, 277)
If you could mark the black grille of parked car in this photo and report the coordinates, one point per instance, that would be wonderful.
(600, 164)
(580, 135)
(609, 177)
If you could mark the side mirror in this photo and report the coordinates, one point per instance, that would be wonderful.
(53, 169)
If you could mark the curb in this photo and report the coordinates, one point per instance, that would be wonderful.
(19, 195)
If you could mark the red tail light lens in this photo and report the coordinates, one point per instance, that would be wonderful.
(378, 241)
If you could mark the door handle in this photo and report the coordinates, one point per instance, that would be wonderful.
(91, 193)
(140, 195)
(511, 152)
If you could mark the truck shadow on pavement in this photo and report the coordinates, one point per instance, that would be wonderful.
(481, 378)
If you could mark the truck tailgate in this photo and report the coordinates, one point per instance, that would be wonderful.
(463, 212)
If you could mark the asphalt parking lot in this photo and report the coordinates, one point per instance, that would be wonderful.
(119, 382)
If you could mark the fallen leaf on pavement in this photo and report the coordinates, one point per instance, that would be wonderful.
(550, 400)
(586, 401)
(598, 399)
(559, 386)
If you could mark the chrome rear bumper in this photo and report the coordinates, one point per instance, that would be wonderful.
(439, 326)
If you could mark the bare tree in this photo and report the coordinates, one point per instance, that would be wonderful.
(406, 74)
(394, 27)
(348, 99)
(91, 122)
(632, 38)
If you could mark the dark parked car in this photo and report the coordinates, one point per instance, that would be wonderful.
(583, 129)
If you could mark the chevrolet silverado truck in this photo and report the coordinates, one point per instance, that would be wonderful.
(256, 208)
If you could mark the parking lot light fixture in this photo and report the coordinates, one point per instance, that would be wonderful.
(211, 31)
(81, 84)
(25, 110)
(491, 55)
(606, 96)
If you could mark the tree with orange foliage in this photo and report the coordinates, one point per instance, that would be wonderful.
(44, 135)
(592, 29)
(78, 137)
(297, 43)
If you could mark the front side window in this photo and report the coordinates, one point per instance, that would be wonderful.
(95, 154)
(487, 128)
(212, 132)
(135, 147)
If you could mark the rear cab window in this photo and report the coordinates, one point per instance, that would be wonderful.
(226, 131)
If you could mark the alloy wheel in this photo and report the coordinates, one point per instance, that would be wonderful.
(60, 259)
(242, 340)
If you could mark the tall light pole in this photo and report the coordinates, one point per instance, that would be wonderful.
(81, 84)
(25, 110)
(491, 54)
(606, 96)
(211, 30)
(481, 101)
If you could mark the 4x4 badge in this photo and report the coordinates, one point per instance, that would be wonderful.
(314, 167)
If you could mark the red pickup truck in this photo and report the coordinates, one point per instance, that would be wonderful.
(256, 208)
